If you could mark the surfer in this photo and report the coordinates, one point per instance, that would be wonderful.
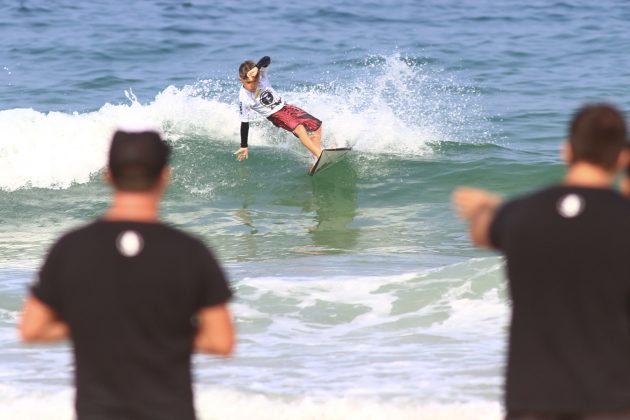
(257, 95)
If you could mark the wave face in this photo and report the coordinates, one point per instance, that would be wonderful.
(345, 283)
(415, 134)
(392, 107)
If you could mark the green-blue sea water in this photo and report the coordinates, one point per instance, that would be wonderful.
(358, 292)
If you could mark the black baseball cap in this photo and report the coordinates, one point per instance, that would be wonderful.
(136, 159)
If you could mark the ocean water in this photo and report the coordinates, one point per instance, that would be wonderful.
(359, 295)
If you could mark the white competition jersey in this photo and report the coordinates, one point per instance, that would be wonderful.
(265, 100)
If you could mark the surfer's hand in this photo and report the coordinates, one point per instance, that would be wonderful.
(242, 153)
(252, 73)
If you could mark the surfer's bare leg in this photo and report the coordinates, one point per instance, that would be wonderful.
(316, 137)
(311, 143)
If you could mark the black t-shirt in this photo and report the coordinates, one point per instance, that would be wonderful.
(129, 292)
(569, 278)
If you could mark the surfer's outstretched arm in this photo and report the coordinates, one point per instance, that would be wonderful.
(242, 153)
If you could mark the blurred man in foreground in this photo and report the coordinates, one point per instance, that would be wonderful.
(566, 250)
(135, 297)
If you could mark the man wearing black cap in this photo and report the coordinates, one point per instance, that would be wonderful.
(135, 296)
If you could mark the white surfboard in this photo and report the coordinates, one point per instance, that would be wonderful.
(328, 158)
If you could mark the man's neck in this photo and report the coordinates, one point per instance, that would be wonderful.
(133, 206)
(583, 174)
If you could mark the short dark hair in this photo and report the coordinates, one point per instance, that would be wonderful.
(598, 133)
(136, 159)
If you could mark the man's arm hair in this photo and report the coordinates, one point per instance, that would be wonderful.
(40, 323)
(215, 332)
(263, 62)
(244, 133)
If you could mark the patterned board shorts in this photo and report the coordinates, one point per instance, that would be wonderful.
(289, 117)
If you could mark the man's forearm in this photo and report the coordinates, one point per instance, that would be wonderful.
(479, 224)
(56, 331)
(39, 323)
(216, 331)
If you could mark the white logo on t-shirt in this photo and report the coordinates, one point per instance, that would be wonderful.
(570, 205)
(129, 243)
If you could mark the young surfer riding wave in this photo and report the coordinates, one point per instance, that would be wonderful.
(258, 95)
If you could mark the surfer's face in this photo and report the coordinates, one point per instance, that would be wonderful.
(251, 86)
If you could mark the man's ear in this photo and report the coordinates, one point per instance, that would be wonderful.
(167, 173)
(624, 159)
(567, 152)
(107, 177)
(165, 177)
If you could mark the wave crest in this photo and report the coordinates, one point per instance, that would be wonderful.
(389, 106)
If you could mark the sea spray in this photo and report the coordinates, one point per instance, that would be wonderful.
(392, 106)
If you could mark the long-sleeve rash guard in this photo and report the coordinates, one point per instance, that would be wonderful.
(265, 100)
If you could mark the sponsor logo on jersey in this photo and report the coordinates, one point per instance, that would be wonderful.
(266, 98)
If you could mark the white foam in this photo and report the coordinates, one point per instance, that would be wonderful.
(55, 150)
(470, 314)
(466, 312)
(413, 344)
(9, 316)
(381, 112)
(221, 404)
(50, 150)
(358, 290)
(474, 316)
(394, 108)
(42, 404)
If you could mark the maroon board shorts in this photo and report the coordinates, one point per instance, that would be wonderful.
(289, 117)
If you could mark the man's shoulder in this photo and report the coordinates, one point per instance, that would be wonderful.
(526, 200)
(78, 232)
(532, 205)
(566, 200)
(554, 192)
